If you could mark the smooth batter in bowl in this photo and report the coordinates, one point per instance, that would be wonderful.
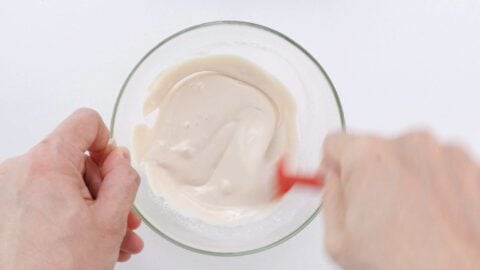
(221, 126)
(318, 111)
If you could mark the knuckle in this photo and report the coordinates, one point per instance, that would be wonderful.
(6, 164)
(456, 151)
(369, 148)
(366, 143)
(38, 168)
(136, 177)
(334, 247)
(133, 177)
(8, 168)
(128, 171)
(330, 138)
(130, 177)
(87, 113)
(421, 137)
(421, 143)
(44, 145)
(86, 117)
(41, 158)
(48, 147)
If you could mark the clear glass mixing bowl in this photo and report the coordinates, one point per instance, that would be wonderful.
(318, 112)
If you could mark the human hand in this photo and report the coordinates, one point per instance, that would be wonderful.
(404, 203)
(63, 209)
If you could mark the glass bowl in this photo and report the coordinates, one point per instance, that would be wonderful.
(318, 112)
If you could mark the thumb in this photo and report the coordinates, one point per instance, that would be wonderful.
(334, 215)
(119, 186)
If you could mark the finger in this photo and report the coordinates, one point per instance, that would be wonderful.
(326, 167)
(92, 176)
(119, 186)
(420, 154)
(463, 173)
(133, 220)
(132, 243)
(334, 148)
(410, 144)
(83, 130)
(334, 215)
(457, 157)
(99, 156)
(123, 256)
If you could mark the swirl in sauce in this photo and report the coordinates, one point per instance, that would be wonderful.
(221, 124)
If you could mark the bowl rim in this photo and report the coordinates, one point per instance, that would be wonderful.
(258, 27)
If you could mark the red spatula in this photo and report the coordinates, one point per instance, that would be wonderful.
(285, 182)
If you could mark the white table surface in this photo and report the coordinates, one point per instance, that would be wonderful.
(396, 65)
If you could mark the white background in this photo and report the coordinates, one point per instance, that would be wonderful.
(396, 65)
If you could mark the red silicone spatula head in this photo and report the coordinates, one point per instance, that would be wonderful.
(285, 182)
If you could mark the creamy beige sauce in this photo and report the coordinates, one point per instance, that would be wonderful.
(221, 124)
